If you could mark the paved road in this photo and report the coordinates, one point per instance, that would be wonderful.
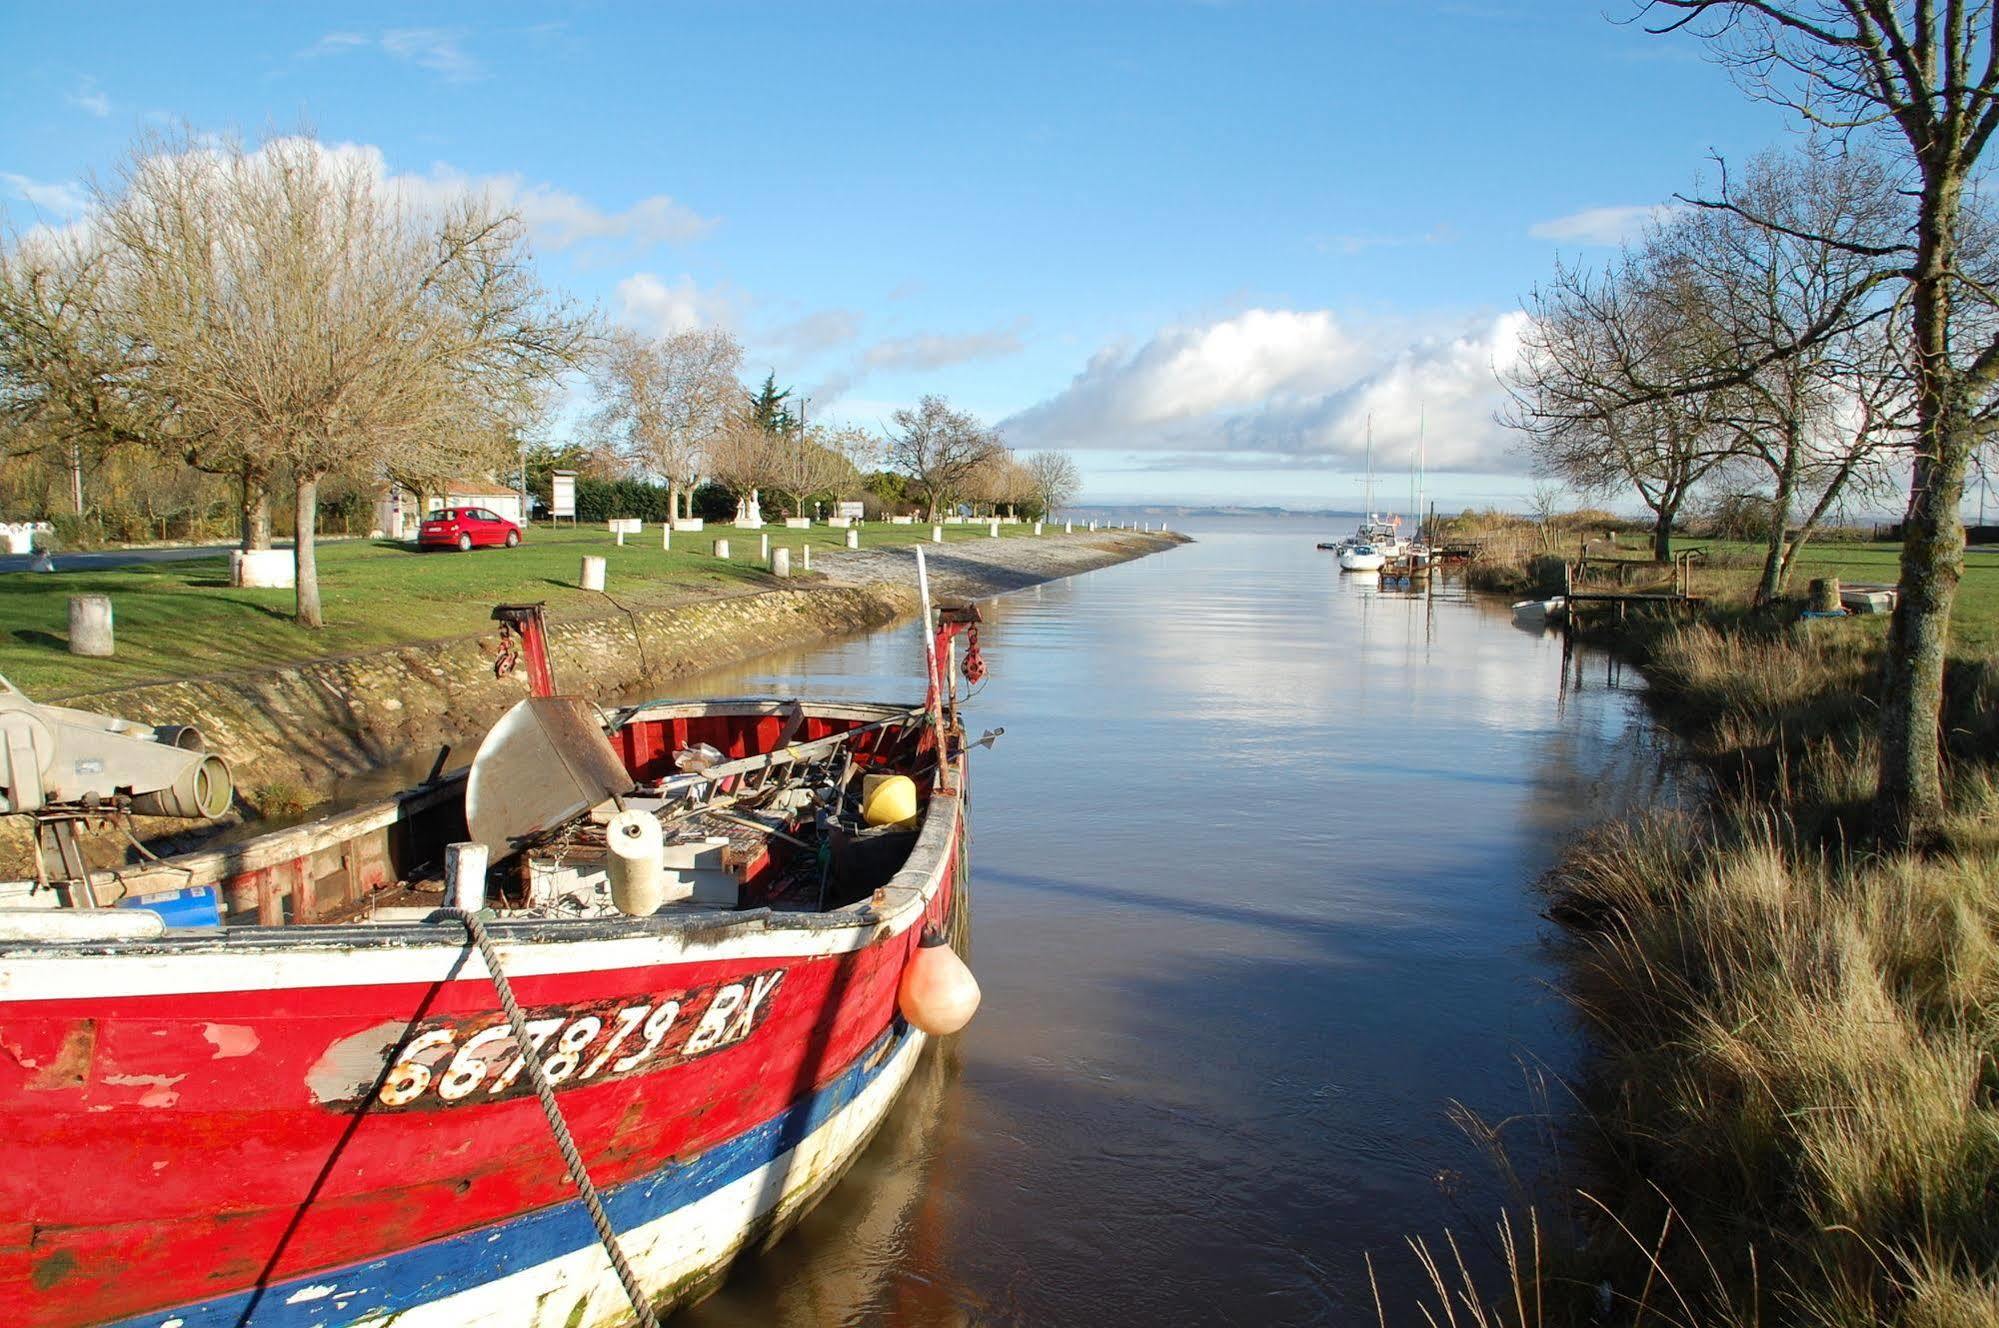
(97, 562)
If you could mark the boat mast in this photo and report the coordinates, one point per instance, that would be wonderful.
(1370, 468)
(1422, 467)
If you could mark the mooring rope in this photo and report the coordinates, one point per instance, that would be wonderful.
(545, 1091)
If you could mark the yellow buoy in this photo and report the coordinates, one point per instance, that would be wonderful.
(888, 799)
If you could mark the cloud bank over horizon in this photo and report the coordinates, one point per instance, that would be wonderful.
(1291, 389)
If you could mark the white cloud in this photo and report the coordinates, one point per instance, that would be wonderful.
(59, 197)
(88, 98)
(1601, 225)
(938, 350)
(820, 331)
(1292, 387)
(435, 49)
(556, 218)
(647, 302)
(560, 219)
(1442, 233)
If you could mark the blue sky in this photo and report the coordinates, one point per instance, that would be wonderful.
(1197, 244)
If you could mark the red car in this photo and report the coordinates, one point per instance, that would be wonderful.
(465, 528)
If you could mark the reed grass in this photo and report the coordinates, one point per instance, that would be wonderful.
(1796, 1033)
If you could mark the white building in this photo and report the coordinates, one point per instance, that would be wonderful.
(398, 513)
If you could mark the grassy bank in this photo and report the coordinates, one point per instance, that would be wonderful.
(1522, 557)
(1793, 1103)
(184, 619)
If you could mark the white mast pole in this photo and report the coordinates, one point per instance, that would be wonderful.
(932, 682)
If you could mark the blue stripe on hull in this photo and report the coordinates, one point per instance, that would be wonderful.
(442, 1268)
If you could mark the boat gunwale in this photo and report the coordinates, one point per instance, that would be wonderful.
(893, 908)
(212, 866)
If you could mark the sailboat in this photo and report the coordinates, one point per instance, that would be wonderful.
(1371, 546)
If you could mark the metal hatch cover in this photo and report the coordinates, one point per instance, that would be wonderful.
(546, 760)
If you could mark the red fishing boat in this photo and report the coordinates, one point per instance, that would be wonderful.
(484, 1053)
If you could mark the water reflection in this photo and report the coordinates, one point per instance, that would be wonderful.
(1253, 904)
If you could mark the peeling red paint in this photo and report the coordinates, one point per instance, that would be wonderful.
(71, 1066)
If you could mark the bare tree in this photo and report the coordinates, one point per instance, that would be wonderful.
(282, 300)
(937, 447)
(664, 399)
(1055, 479)
(1795, 328)
(807, 464)
(1593, 391)
(1921, 76)
(743, 456)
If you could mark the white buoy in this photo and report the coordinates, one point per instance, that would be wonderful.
(465, 876)
(593, 572)
(721, 548)
(853, 539)
(780, 562)
(635, 862)
(90, 626)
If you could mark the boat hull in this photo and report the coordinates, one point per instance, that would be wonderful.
(327, 1125)
(679, 1228)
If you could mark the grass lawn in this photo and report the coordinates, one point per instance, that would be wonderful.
(184, 619)
(1733, 569)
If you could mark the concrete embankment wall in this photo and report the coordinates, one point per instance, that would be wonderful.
(313, 725)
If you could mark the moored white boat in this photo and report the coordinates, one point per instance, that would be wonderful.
(1362, 558)
(1540, 610)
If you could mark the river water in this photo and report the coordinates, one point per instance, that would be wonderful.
(1253, 910)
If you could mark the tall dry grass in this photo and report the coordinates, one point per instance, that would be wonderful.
(1797, 1033)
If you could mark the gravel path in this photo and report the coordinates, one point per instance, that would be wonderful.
(970, 569)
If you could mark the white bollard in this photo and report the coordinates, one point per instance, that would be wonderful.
(90, 625)
(853, 539)
(780, 562)
(1068, 527)
(666, 538)
(995, 528)
(621, 537)
(593, 572)
(936, 534)
(763, 546)
(465, 876)
(805, 557)
(721, 548)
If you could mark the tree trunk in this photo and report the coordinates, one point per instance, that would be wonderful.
(305, 560)
(256, 513)
(672, 501)
(1909, 797)
(1662, 532)
(1775, 559)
